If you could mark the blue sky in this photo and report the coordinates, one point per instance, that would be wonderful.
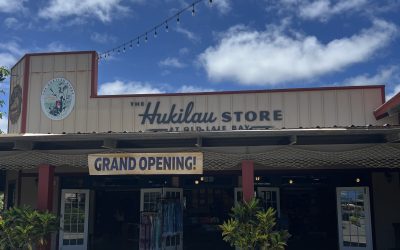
(228, 45)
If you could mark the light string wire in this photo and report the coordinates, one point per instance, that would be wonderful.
(154, 30)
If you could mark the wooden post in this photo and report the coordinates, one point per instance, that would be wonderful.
(45, 193)
(248, 180)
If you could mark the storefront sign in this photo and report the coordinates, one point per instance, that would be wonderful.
(146, 163)
(193, 120)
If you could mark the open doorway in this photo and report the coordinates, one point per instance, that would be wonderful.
(206, 209)
(116, 220)
(310, 213)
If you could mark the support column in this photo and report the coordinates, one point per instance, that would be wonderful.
(45, 188)
(248, 180)
(45, 193)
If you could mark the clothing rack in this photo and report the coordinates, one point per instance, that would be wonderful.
(162, 229)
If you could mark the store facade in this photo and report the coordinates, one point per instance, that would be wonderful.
(163, 171)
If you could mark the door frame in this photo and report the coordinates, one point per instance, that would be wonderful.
(62, 210)
(163, 192)
(237, 190)
(278, 197)
(368, 223)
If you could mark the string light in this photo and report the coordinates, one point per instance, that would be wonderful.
(164, 23)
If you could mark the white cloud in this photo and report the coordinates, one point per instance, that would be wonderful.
(171, 62)
(9, 53)
(193, 89)
(102, 38)
(12, 6)
(270, 57)
(183, 51)
(119, 87)
(11, 47)
(324, 9)
(4, 124)
(133, 87)
(384, 76)
(7, 59)
(12, 23)
(104, 10)
(395, 91)
(57, 46)
(223, 6)
(189, 35)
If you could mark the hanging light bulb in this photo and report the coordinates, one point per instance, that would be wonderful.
(131, 45)
(138, 42)
(193, 11)
(145, 38)
(124, 49)
(155, 32)
(178, 20)
(166, 26)
(119, 50)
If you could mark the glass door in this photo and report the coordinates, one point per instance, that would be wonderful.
(354, 218)
(149, 199)
(270, 198)
(74, 219)
(175, 241)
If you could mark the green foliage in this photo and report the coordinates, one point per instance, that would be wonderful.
(253, 228)
(3, 74)
(23, 228)
(1, 201)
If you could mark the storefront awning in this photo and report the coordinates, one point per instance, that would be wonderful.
(278, 149)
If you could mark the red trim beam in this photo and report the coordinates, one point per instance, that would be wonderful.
(25, 93)
(391, 106)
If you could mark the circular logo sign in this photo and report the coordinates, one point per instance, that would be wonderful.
(15, 104)
(58, 98)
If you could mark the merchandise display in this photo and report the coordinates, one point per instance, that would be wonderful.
(162, 228)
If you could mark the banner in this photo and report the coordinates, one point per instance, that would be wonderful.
(146, 163)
